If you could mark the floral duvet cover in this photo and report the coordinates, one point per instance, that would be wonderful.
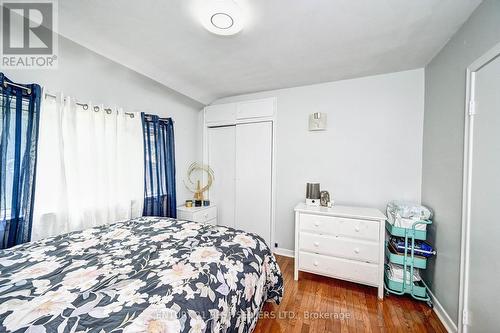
(144, 275)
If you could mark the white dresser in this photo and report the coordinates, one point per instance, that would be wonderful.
(342, 242)
(206, 214)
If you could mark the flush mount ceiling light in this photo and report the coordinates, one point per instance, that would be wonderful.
(222, 17)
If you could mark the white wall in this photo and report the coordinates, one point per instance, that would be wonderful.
(443, 147)
(91, 77)
(370, 154)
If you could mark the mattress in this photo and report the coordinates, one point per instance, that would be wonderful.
(144, 275)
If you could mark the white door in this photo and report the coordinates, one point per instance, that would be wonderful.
(221, 158)
(254, 178)
(484, 270)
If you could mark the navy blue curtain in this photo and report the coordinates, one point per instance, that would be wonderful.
(19, 119)
(159, 165)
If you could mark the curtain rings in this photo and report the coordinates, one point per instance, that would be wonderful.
(96, 108)
(108, 111)
(83, 105)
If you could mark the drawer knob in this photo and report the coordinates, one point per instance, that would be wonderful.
(316, 224)
(357, 229)
(316, 244)
(315, 263)
(206, 215)
(356, 250)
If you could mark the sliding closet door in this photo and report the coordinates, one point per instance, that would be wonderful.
(221, 158)
(484, 270)
(253, 178)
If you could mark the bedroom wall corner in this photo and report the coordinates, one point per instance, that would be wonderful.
(371, 152)
(442, 168)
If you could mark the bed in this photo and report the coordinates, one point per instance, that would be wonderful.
(144, 275)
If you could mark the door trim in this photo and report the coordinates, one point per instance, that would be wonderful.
(471, 71)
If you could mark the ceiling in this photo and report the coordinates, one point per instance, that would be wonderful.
(284, 43)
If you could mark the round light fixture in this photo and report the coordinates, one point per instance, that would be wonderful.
(222, 17)
(222, 21)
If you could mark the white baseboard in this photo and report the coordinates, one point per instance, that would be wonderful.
(284, 252)
(445, 318)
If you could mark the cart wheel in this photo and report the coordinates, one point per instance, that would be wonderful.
(430, 304)
(387, 293)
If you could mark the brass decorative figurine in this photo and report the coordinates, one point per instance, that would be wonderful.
(195, 185)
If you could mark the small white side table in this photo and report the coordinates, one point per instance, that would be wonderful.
(206, 214)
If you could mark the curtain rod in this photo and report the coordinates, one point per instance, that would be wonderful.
(6, 83)
(85, 106)
(148, 116)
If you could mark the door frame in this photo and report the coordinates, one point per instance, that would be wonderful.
(470, 112)
(235, 121)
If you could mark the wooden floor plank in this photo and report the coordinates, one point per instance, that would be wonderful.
(359, 304)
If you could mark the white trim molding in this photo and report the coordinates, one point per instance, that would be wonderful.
(284, 252)
(441, 313)
(470, 112)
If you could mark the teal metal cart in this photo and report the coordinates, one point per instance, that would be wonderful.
(417, 290)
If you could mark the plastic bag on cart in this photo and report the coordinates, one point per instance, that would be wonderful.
(396, 273)
(403, 214)
(422, 248)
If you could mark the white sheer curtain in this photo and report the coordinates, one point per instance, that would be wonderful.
(90, 168)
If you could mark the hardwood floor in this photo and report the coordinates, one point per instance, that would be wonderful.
(351, 307)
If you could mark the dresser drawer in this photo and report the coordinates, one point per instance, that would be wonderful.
(345, 269)
(204, 215)
(198, 214)
(340, 247)
(339, 226)
(212, 221)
